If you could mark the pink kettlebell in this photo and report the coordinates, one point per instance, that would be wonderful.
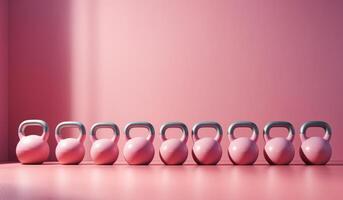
(243, 150)
(207, 150)
(139, 150)
(174, 151)
(33, 149)
(70, 151)
(104, 151)
(279, 150)
(315, 150)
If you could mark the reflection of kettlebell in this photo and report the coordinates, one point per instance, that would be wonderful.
(70, 150)
(104, 151)
(279, 150)
(243, 150)
(207, 150)
(33, 149)
(315, 150)
(139, 150)
(174, 151)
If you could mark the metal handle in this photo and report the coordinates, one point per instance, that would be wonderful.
(281, 124)
(207, 124)
(70, 124)
(146, 125)
(100, 125)
(34, 122)
(319, 124)
(243, 124)
(178, 125)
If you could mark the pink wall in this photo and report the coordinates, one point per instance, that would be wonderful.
(39, 55)
(176, 60)
(3, 80)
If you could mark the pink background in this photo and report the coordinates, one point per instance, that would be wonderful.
(3, 80)
(173, 60)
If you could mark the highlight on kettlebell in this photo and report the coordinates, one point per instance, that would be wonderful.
(34, 148)
(104, 151)
(279, 150)
(207, 150)
(70, 150)
(174, 151)
(243, 150)
(139, 150)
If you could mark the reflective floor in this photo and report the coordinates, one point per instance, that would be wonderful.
(52, 181)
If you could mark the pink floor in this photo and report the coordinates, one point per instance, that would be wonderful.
(87, 181)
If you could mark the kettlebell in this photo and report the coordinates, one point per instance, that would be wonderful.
(315, 150)
(139, 150)
(33, 149)
(174, 151)
(207, 150)
(104, 151)
(70, 151)
(243, 150)
(279, 150)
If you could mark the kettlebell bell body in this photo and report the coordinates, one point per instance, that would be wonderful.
(279, 150)
(104, 151)
(70, 150)
(243, 150)
(139, 150)
(315, 150)
(207, 150)
(174, 151)
(33, 149)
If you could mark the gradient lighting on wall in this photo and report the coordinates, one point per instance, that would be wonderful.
(182, 60)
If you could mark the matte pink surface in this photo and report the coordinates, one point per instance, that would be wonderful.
(104, 151)
(279, 151)
(3, 80)
(138, 151)
(178, 60)
(70, 151)
(173, 151)
(316, 150)
(170, 182)
(243, 151)
(207, 151)
(32, 149)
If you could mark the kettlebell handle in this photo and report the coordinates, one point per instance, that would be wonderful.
(207, 124)
(109, 125)
(146, 125)
(34, 122)
(243, 124)
(178, 125)
(279, 124)
(319, 124)
(70, 124)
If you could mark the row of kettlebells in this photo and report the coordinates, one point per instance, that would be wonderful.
(34, 149)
